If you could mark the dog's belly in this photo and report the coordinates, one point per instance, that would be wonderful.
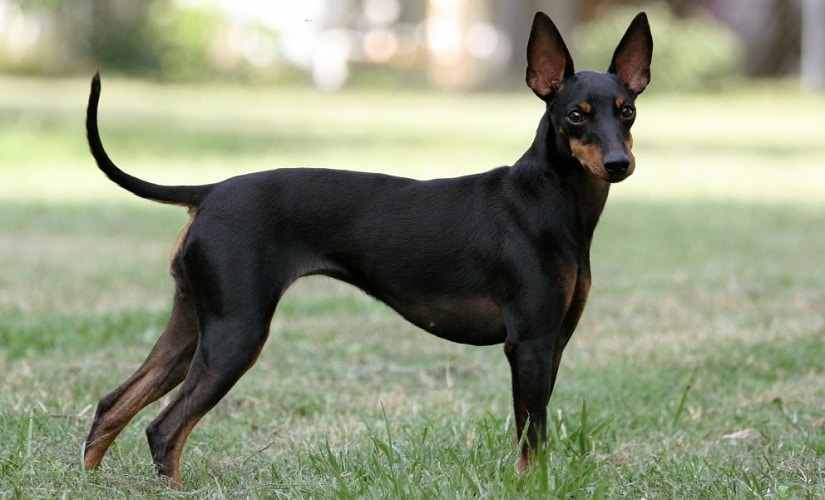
(466, 320)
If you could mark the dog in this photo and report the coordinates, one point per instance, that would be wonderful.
(492, 258)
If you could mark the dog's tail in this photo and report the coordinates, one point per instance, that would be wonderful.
(178, 195)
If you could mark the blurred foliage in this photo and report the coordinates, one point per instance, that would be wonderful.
(120, 35)
(156, 38)
(188, 41)
(186, 36)
(689, 54)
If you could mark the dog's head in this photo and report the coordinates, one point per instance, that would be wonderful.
(591, 113)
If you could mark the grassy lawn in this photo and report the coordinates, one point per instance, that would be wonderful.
(696, 372)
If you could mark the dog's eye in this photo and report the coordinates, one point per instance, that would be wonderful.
(628, 112)
(576, 117)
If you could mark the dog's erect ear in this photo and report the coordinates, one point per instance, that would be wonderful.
(631, 61)
(548, 61)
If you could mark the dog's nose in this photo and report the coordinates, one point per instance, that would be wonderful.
(616, 163)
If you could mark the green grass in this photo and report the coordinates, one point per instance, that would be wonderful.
(697, 370)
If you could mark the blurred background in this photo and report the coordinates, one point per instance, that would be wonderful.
(445, 44)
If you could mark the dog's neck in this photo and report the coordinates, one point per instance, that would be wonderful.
(566, 175)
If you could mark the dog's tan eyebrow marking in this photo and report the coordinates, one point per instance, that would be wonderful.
(619, 102)
(585, 106)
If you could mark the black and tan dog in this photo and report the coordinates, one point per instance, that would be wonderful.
(497, 257)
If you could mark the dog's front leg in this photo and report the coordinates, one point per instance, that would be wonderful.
(535, 338)
(531, 367)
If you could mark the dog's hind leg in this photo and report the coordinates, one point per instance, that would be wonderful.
(164, 368)
(228, 348)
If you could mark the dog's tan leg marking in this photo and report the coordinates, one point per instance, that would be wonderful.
(184, 232)
(164, 368)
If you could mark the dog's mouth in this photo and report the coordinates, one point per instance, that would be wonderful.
(616, 177)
